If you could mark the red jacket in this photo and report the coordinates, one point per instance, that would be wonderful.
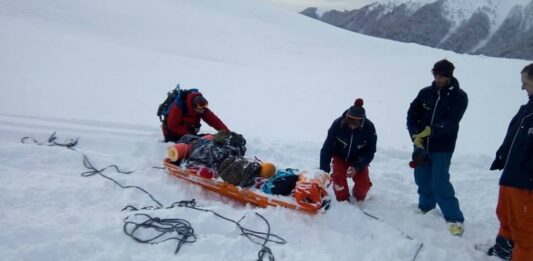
(183, 119)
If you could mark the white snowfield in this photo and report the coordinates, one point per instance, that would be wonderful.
(97, 70)
(51, 212)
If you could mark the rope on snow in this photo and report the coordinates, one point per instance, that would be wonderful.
(419, 248)
(52, 141)
(165, 229)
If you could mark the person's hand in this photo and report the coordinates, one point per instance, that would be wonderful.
(221, 136)
(418, 139)
(419, 143)
(426, 132)
(350, 172)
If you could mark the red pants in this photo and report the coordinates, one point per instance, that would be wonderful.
(515, 212)
(340, 184)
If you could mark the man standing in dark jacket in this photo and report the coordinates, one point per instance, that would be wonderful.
(350, 147)
(433, 123)
(515, 200)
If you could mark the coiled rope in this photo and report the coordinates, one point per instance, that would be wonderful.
(159, 230)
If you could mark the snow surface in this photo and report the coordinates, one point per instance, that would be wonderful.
(98, 69)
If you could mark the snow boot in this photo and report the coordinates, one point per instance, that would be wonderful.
(456, 228)
(503, 248)
(421, 211)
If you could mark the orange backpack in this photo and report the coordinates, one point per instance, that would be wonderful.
(310, 189)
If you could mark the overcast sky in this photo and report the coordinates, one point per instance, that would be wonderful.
(299, 5)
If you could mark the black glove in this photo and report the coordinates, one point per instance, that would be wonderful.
(419, 155)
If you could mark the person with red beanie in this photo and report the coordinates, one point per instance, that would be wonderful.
(350, 147)
(515, 200)
(184, 118)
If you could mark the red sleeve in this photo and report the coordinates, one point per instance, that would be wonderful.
(210, 118)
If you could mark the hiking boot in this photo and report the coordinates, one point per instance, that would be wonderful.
(456, 228)
(423, 212)
(503, 248)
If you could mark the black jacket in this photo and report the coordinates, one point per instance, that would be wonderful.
(357, 147)
(441, 109)
(515, 155)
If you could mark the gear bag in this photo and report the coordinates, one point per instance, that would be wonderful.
(211, 153)
(282, 183)
(239, 171)
(230, 138)
(311, 190)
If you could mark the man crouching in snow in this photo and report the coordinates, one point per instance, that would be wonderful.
(350, 147)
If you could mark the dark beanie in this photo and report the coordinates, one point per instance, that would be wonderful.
(444, 68)
(357, 111)
(199, 101)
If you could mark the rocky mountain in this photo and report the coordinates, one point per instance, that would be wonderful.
(500, 28)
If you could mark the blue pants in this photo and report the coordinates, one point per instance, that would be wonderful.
(433, 180)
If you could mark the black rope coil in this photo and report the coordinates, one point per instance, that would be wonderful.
(144, 228)
(152, 230)
(252, 235)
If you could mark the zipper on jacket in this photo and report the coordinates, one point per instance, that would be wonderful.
(341, 141)
(350, 147)
(433, 116)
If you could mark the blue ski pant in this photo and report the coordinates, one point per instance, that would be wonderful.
(433, 180)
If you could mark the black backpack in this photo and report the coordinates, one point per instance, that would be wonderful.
(230, 139)
(212, 153)
(176, 96)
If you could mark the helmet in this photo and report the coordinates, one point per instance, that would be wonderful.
(267, 169)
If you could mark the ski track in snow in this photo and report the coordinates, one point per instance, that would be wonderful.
(53, 213)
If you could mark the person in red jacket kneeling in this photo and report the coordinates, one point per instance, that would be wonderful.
(184, 118)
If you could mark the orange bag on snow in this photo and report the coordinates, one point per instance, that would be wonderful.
(310, 191)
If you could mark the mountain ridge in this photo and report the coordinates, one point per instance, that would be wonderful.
(496, 28)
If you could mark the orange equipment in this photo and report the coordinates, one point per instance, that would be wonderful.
(178, 151)
(244, 195)
(311, 191)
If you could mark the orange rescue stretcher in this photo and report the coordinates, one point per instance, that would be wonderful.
(252, 195)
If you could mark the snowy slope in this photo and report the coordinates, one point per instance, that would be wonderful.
(97, 70)
(75, 60)
(50, 212)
